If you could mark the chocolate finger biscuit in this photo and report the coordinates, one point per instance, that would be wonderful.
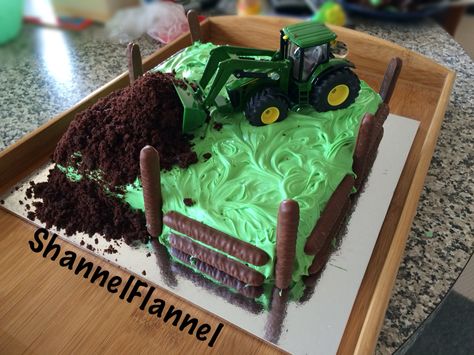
(217, 239)
(219, 261)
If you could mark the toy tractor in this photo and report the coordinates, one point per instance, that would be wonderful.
(304, 71)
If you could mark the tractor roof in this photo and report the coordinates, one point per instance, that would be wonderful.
(309, 34)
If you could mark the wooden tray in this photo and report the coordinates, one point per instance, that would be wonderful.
(36, 296)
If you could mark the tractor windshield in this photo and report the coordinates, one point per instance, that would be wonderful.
(296, 54)
(305, 60)
(313, 57)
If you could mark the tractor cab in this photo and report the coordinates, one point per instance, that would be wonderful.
(306, 45)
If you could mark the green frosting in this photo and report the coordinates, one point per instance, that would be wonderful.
(252, 169)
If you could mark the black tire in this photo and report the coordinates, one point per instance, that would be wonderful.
(261, 102)
(323, 87)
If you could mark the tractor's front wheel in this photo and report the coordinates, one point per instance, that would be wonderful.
(266, 107)
(337, 90)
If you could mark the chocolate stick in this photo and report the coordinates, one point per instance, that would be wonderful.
(323, 254)
(287, 230)
(218, 275)
(214, 238)
(150, 177)
(194, 26)
(321, 232)
(135, 68)
(221, 262)
(235, 298)
(364, 139)
(390, 79)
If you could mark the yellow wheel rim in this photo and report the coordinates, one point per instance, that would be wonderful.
(338, 95)
(270, 115)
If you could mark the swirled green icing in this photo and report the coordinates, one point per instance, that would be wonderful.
(252, 169)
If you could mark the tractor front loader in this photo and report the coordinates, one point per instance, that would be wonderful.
(304, 71)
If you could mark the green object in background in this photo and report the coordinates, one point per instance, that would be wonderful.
(11, 13)
(330, 12)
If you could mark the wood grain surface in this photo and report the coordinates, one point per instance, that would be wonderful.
(47, 309)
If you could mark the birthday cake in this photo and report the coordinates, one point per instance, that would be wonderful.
(251, 194)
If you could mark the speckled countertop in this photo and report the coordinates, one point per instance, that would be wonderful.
(46, 71)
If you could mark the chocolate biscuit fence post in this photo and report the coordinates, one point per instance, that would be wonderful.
(150, 178)
(371, 128)
(231, 267)
(218, 275)
(322, 256)
(390, 79)
(216, 239)
(322, 230)
(239, 298)
(194, 26)
(135, 66)
(287, 230)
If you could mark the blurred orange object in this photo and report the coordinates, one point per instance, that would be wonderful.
(249, 7)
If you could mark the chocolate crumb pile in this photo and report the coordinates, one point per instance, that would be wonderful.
(84, 207)
(108, 137)
(110, 134)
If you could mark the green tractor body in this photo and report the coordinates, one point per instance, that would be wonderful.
(302, 72)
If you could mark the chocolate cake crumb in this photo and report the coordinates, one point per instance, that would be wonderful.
(148, 254)
(110, 250)
(31, 216)
(82, 242)
(20, 202)
(2, 202)
(90, 247)
(84, 207)
(29, 191)
(17, 188)
(207, 156)
(27, 206)
(217, 126)
(144, 273)
(188, 202)
(110, 134)
(96, 241)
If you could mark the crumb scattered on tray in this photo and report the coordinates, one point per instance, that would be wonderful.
(110, 250)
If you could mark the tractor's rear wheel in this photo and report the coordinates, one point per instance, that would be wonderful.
(337, 90)
(266, 107)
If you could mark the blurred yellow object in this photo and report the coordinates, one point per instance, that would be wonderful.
(97, 10)
(332, 13)
(249, 7)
